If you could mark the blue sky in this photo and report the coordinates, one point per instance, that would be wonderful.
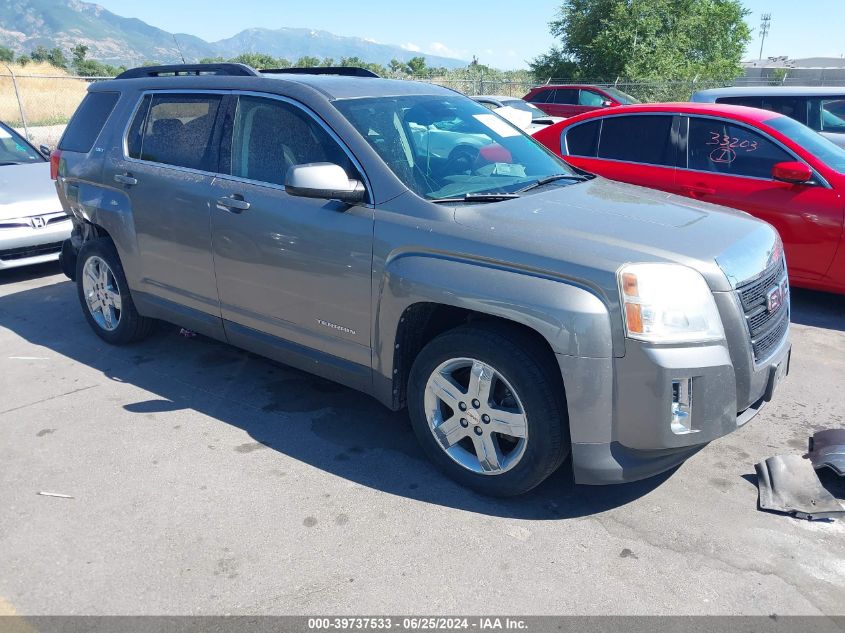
(502, 33)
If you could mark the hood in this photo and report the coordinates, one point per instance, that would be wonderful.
(601, 225)
(26, 190)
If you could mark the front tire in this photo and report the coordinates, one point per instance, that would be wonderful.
(488, 410)
(104, 295)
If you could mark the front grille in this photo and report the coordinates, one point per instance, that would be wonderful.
(30, 251)
(766, 329)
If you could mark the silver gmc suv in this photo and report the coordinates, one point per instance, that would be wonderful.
(403, 240)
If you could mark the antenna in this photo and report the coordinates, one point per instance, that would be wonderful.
(765, 23)
(178, 48)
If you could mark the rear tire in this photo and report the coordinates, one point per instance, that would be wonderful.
(488, 410)
(104, 295)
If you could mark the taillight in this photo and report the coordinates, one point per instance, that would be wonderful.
(55, 155)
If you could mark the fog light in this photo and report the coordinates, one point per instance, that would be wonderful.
(682, 407)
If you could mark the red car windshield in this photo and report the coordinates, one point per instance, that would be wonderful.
(825, 150)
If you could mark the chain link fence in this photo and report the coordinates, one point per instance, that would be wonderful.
(39, 99)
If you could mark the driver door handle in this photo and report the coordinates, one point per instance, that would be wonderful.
(126, 179)
(233, 204)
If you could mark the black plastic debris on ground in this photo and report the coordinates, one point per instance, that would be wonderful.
(827, 450)
(788, 484)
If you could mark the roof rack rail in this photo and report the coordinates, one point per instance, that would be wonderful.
(181, 70)
(345, 71)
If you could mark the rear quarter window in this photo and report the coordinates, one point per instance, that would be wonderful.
(88, 121)
(582, 140)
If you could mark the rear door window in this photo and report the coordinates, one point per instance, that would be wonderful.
(640, 138)
(88, 122)
(177, 130)
(270, 136)
(582, 139)
(718, 146)
(566, 96)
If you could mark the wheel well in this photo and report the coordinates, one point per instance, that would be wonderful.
(83, 231)
(422, 322)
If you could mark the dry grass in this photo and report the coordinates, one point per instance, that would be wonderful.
(46, 100)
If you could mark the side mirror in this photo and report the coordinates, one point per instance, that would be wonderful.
(326, 181)
(793, 172)
(45, 151)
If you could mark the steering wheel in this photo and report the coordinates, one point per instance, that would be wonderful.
(461, 159)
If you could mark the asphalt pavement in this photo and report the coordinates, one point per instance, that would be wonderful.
(206, 480)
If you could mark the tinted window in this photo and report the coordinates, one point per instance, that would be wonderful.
(88, 121)
(542, 96)
(749, 102)
(271, 136)
(583, 140)
(135, 135)
(638, 139)
(718, 146)
(566, 96)
(794, 107)
(590, 98)
(178, 131)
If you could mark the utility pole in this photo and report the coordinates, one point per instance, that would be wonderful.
(765, 23)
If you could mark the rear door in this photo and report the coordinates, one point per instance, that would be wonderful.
(730, 163)
(635, 148)
(293, 268)
(166, 171)
(564, 103)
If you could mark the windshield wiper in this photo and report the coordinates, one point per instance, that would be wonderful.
(479, 197)
(10, 162)
(548, 179)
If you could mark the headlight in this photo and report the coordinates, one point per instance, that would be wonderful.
(668, 303)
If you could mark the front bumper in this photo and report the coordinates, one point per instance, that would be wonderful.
(620, 409)
(25, 245)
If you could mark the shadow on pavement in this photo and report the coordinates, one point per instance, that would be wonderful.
(315, 421)
(819, 309)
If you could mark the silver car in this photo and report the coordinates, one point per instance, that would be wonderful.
(821, 108)
(33, 225)
(533, 119)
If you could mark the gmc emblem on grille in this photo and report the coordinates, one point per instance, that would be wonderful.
(38, 222)
(777, 296)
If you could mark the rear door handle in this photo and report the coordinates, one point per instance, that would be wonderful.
(233, 204)
(696, 190)
(126, 179)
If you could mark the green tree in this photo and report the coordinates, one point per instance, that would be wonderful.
(23, 60)
(308, 61)
(53, 56)
(6, 54)
(79, 52)
(642, 40)
(416, 65)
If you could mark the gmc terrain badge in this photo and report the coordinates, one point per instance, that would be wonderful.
(334, 326)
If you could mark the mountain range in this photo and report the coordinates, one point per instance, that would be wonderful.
(113, 39)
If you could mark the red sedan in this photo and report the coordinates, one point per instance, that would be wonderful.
(754, 160)
(572, 99)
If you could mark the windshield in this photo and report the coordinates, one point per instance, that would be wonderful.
(449, 146)
(824, 149)
(621, 97)
(14, 150)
